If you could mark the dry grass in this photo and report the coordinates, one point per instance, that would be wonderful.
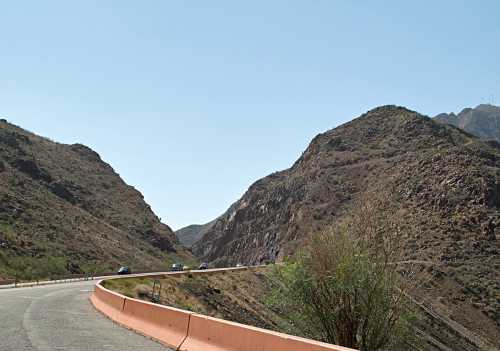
(236, 296)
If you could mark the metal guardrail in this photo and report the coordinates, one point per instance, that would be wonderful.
(13, 283)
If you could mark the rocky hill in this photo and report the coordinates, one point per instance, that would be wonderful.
(192, 233)
(447, 179)
(482, 121)
(64, 210)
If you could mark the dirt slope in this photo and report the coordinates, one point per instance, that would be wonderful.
(237, 296)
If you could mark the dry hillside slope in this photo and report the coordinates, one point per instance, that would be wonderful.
(447, 179)
(64, 210)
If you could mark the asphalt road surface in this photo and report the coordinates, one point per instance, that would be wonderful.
(61, 317)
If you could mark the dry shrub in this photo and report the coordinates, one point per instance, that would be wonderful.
(347, 288)
(142, 291)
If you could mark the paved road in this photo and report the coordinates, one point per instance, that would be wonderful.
(60, 317)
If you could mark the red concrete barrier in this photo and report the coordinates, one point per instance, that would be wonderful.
(212, 334)
(166, 324)
(187, 331)
(108, 302)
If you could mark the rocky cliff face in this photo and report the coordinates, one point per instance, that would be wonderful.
(389, 146)
(482, 121)
(448, 180)
(64, 210)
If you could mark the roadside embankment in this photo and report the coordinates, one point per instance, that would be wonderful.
(186, 330)
(237, 296)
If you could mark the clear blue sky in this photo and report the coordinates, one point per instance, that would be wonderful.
(192, 101)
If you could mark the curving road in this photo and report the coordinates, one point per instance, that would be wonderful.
(60, 317)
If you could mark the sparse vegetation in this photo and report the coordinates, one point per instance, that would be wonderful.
(345, 288)
(236, 296)
(31, 268)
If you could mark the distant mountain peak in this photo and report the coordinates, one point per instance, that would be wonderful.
(482, 121)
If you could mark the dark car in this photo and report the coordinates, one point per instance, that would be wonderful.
(203, 265)
(177, 267)
(124, 270)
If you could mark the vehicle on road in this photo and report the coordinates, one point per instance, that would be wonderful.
(124, 270)
(177, 267)
(203, 265)
(239, 265)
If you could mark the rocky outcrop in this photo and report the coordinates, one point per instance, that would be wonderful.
(30, 168)
(482, 121)
(62, 190)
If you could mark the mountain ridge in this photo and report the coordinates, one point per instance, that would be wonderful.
(482, 121)
(192, 233)
(63, 201)
(447, 180)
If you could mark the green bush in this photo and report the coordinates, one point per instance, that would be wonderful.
(31, 268)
